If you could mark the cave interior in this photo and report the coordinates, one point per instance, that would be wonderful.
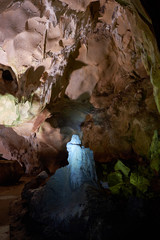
(79, 119)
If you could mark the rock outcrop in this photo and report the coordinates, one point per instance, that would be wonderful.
(93, 65)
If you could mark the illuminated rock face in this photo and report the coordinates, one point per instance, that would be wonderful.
(92, 65)
(81, 163)
(65, 195)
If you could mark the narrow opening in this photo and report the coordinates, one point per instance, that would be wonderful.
(6, 75)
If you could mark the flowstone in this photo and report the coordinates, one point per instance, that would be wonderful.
(81, 163)
(65, 195)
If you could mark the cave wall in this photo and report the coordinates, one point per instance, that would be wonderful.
(79, 67)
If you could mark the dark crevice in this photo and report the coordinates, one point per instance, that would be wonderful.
(6, 75)
(152, 9)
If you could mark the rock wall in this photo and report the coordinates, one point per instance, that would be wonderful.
(92, 66)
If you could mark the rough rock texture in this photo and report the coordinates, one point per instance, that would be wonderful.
(102, 215)
(66, 192)
(16, 147)
(94, 66)
(90, 68)
(10, 172)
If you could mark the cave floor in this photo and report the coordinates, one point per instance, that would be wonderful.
(7, 195)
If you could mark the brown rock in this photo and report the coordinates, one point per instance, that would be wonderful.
(93, 58)
(10, 172)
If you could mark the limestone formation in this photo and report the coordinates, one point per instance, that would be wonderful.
(88, 67)
(65, 196)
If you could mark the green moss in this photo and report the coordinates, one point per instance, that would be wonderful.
(114, 178)
(115, 182)
(119, 166)
(116, 189)
(123, 180)
(155, 152)
(140, 182)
